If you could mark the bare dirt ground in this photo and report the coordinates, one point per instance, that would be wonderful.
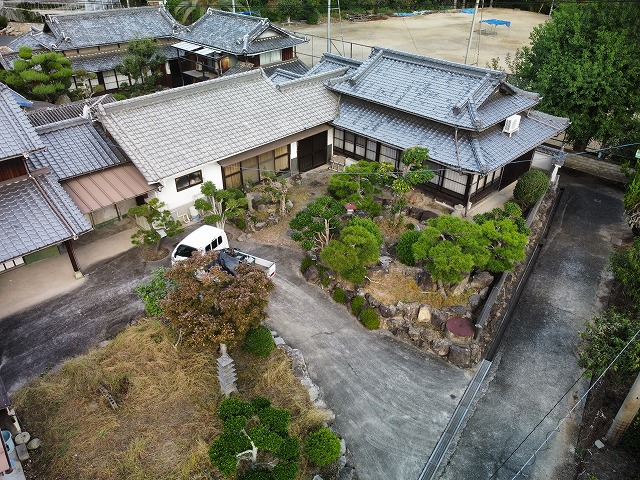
(441, 35)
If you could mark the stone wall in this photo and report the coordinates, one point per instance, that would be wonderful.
(594, 166)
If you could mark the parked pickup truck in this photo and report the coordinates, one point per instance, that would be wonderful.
(207, 238)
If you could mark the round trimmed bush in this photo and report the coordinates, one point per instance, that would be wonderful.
(285, 471)
(259, 342)
(257, 474)
(259, 403)
(356, 305)
(369, 318)
(234, 407)
(234, 424)
(290, 449)
(322, 447)
(339, 296)
(276, 419)
(223, 450)
(404, 247)
(530, 187)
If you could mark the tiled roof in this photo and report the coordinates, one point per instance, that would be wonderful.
(169, 132)
(238, 34)
(66, 111)
(294, 65)
(17, 136)
(465, 96)
(74, 147)
(28, 222)
(105, 27)
(331, 61)
(475, 152)
(283, 76)
(35, 39)
(20, 100)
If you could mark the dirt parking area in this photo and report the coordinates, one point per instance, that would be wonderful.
(441, 35)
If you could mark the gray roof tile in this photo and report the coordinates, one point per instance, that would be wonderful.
(169, 132)
(67, 111)
(74, 147)
(295, 66)
(105, 27)
(27, 220)
(331, 61)
(459, 95)
(238, 34)
(475, 152)
(35, 39)
(17, 136)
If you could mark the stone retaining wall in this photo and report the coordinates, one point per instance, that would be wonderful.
(594, 166)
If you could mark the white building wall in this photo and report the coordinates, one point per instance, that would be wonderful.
(179, 202)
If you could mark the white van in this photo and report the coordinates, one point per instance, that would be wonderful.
(203, 239)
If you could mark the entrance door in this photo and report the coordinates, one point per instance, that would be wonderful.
(312, 152)
(512, 171)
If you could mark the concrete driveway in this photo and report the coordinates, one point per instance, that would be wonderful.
(537, 364)
(391, 400)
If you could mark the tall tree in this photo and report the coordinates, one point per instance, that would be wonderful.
(161, 223)
(142, 63)
(585, 63)
(44, 76)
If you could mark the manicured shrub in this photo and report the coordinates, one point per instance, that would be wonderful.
(3, 22)
(369, 205)
(223, 450)
(322, 447)
(339, 296)
(306, 264)
(264, 438)
(259, 342)
(370, 319)
(410, 226)
(240, 222)
(369, 225)
(289, 449)
(259, 403)
(276, 419)
(257, 474)
(356, 305)
(234, 407)
(285, 471)
(234, 424)
(530, 187)
(404, 247)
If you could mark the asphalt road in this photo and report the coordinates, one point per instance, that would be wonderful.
(537, 362)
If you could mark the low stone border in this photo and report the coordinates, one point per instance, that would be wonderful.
(346, 467)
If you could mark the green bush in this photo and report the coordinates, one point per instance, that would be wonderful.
(356, 305)
(370, 319)
(339, 296)
(306, 264)
(313, 17)
(290, 449)
(223, 450)
(266, 439)
(119, 96)
(154, 292)
(234, 407)
(3, 22)
(257, 474)
(530, 187)
(410, 226)
(404, 247)
(369, 205)
(240, 222)
(259, 403)
(368, 225)
(234, 424)
(259, 342)
(285, 471)
(276, 419)
(322, 447)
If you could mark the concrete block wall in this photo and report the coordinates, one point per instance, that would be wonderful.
(593, 166)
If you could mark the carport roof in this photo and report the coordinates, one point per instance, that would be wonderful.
(35, 213)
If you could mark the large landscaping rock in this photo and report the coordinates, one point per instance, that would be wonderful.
(474, 301)
(425, 282)
(312, 275)
(441, 347)
(409, 310)
(481, 280)
(424, 314)
(460, 355)
(387, 311)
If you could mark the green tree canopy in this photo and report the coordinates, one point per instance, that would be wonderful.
(585, 64)
(160, 222)
(44, 76)
(220, 205)
(141, 64)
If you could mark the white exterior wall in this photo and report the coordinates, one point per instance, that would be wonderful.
(179, 202)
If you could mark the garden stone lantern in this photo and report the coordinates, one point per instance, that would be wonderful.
(350, 208)
(226, 372)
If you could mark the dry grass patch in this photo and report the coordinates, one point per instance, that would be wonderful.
(167, 415)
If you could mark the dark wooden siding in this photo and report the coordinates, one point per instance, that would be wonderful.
(12, 168)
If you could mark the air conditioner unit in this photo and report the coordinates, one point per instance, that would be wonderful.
(199, 67)
(511, 124)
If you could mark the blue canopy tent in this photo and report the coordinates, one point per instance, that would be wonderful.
(494, 23)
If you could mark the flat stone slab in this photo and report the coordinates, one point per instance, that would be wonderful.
(460, 330)
(22, 452)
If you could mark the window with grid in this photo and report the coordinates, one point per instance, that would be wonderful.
(372, 149)
(361, 143)
(454, 181)
(338, 138)
(349, 142)
(189, 180)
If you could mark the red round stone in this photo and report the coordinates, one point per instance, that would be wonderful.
(460, 327)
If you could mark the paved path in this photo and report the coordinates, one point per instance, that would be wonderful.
(537, 361)
(391, 401)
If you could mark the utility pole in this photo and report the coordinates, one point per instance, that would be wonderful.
(328, 26)
(626, 414)
(233, 6)
(473, 22)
